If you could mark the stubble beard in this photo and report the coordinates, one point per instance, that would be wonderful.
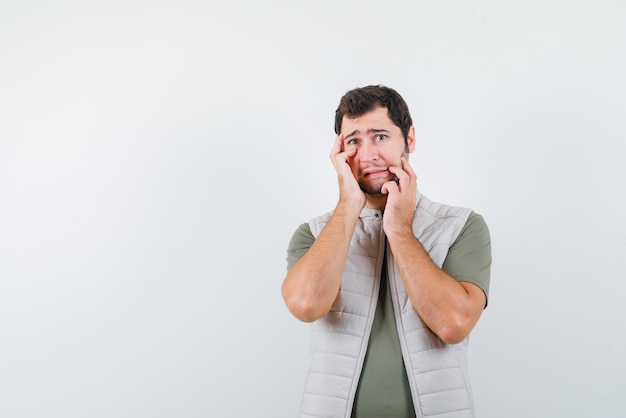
(375, 189)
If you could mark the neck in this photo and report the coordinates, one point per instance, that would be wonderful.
(376, 202)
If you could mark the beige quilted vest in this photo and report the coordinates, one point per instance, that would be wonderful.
(437, 372)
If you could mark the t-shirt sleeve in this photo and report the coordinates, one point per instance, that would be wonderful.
(469, 257)
(300, 242)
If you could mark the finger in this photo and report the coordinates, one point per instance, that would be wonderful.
(407, 167)
(399, 173)
(389, 187)
(338, 150)
(337, 146)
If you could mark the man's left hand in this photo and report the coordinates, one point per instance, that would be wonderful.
(401, 199)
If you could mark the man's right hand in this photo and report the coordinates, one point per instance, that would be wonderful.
(312, 284)
(349, 190)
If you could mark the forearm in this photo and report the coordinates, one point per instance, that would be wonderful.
(449, 308)
(312, 284)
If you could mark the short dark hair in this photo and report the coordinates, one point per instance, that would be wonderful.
(359, 101)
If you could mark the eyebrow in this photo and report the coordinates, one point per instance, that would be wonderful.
(369, 131)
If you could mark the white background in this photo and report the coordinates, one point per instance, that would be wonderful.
(155, 157)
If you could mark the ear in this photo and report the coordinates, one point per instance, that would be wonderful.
(410, 139)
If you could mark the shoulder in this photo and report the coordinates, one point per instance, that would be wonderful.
(469, 257)
(301, 234)
(438, 210)
(318, 223)
(475, 226)
(300, 242)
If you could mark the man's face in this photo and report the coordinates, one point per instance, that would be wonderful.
(379, 144)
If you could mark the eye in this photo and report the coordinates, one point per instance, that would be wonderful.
(380, 137)
(351, 141)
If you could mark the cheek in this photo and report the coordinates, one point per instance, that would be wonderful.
(396, 156)
(354, 164)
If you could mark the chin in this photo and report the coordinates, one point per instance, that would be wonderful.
(372, 189)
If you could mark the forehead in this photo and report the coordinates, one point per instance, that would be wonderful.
(375, 119)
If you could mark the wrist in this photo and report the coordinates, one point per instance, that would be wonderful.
(399, 232)
(350, 205)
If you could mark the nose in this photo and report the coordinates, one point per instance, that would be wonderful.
(368, 152)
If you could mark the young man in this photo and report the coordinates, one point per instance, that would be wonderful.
(392, 282)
